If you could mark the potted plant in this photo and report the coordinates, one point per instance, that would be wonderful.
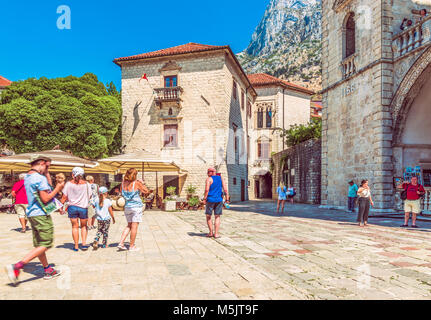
(194, 203)
(191, 190)
(170, 201)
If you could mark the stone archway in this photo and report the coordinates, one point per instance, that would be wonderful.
(411, 110)
(408, 90)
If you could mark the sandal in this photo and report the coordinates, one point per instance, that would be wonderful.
(209, 235)
(405, 226)
(415, 226)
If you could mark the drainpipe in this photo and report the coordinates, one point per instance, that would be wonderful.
(246, 133)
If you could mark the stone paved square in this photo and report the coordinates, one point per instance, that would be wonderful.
(308, 253)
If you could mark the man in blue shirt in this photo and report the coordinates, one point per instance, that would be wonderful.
(214, 200)
(37, 186)
(353, 194)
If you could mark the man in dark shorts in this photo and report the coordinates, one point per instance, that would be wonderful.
(214, 201)
(36, 184)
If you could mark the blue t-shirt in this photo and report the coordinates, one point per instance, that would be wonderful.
(102, 214)
(35, 182)
(353, 191)
(282, 193)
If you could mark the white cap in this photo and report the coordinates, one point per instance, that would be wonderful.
(78, 171)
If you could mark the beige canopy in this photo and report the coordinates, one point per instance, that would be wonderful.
(61, 162)
(142, 161)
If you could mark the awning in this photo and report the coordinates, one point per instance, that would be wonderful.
(141, 161)
(61, 162)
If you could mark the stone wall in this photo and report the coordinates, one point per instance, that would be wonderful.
(303, 163)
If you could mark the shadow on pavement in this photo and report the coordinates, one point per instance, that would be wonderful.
(194, 234)
(69, 246)
(308, 211)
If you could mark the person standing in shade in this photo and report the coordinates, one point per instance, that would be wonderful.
(352, 195)
(77, 193)
(93, 201)
(282, 196)
(131, 190)
(413, 203)
(365, 200)
(37, 186)
(21, 203)
(213, 200)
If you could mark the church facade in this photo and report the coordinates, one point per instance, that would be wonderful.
(376, 61)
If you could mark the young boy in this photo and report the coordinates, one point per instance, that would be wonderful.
(36, 183)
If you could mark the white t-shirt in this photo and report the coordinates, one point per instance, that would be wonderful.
(77, 194)
(103, 213)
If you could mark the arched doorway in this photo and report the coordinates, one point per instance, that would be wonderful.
(411, 111)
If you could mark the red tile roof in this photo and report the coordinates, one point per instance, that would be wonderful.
(183, 49)
(263, 79)
(4, 82)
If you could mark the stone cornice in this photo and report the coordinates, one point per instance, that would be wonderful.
(339, 4)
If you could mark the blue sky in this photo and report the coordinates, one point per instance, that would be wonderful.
(33, 46)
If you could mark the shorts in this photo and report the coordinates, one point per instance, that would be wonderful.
(75, 212)
(217, 207)
(20, 210)
(133, 214)
(42, 230)
(413, 206)
(91, 211)
(282, 198)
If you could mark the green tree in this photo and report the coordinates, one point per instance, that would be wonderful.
(78, 114)
(297, 134)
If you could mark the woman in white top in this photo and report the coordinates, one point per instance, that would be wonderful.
(77, 193)
(365, 200)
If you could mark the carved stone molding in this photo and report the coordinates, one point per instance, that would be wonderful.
(340, 4)
(408, 90)
(170, 66)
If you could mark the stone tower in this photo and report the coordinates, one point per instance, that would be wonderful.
(374, 73)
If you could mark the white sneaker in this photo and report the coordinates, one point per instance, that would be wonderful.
(121, 248)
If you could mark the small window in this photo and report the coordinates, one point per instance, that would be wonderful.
(234, 90)
(242, 99)
(234, 181)
(268, 117)
(249, 108)
(170, 111)
(263, 150)
(350, 34)
(171, 82)
(260, 118)
(170, 135)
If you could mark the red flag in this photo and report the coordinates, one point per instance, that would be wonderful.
(144, 77)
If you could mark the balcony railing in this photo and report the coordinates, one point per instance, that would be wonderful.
(168, 95)
(412, 38)
(348, 66)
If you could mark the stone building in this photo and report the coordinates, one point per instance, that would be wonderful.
(190, 104)
(376, 61)
(4, 83)
(279, 104)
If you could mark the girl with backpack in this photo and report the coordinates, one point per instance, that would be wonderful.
(282, 196)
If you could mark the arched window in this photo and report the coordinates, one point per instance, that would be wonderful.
(349, 47)
(268, 117)
(260, 117)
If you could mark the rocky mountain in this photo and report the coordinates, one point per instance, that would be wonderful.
(287, 43)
